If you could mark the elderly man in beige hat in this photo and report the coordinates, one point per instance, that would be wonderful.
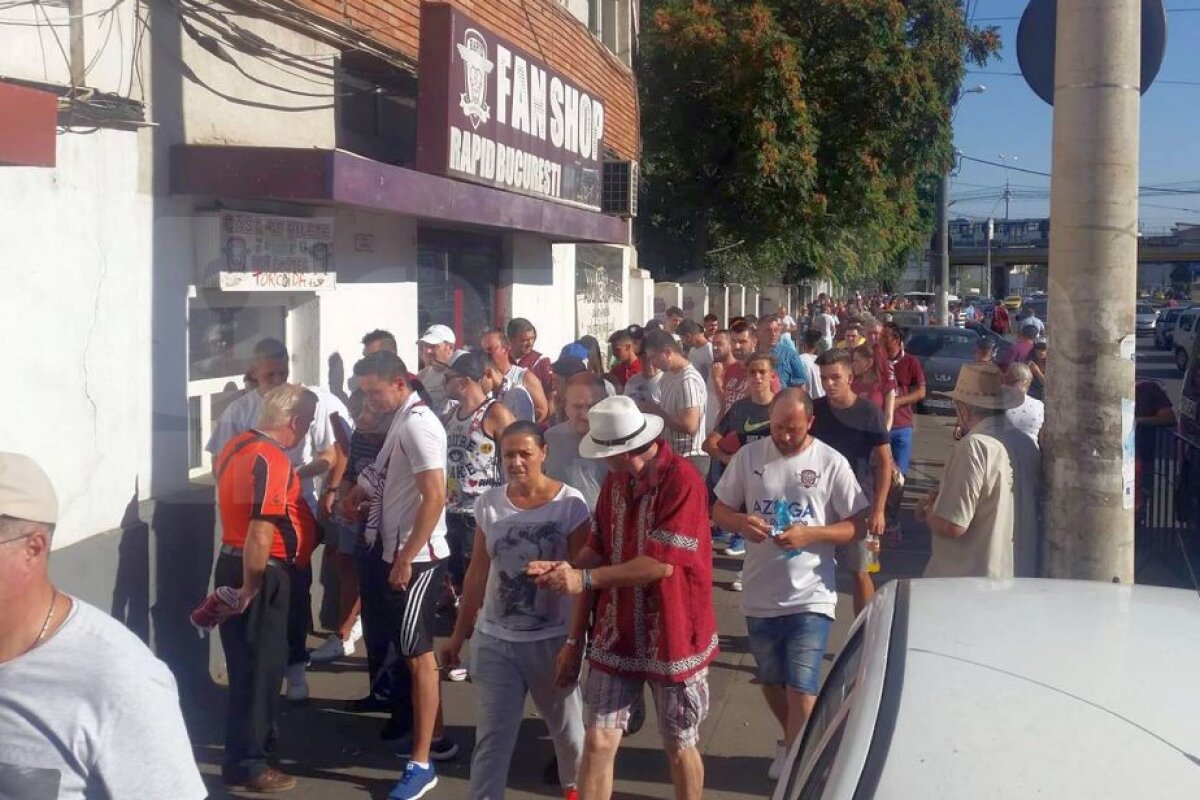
(648, 561)
(984, 516)
(85, 709)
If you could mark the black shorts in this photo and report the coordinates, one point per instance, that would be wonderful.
(411, 613)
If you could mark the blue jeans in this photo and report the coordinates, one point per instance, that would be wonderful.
(902, 448)
(789, 649)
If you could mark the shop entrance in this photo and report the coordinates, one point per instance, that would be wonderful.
(458, 280)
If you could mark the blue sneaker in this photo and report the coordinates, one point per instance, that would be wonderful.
(737, 546)
(720, 541)
(415, 782)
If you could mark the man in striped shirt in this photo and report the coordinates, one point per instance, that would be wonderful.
(684, 398)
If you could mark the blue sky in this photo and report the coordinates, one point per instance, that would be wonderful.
(1009, 118)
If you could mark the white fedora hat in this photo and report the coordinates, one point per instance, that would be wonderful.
(617, 426)
(982, 385)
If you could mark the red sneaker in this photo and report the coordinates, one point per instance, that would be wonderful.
(571, 794)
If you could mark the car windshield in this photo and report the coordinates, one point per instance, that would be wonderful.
(1142, 309)
(944, 344)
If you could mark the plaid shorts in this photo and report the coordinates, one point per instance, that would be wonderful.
(609, 701)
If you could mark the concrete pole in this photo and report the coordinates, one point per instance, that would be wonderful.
(943, 274)
(1093, 283)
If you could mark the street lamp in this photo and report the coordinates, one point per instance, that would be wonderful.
(943, 284)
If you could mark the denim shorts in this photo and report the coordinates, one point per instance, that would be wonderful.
(789, 649)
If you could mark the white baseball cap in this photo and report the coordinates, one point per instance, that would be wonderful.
(25, 491)
(437, 334)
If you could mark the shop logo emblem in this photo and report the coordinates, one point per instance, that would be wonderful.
(808, 479)
(476, 68)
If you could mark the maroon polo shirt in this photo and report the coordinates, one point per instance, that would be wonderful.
(908, 375)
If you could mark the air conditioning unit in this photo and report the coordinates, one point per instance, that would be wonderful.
(619, 188)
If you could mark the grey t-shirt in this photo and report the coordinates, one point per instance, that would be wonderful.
(563, 463)
(91, 713)
(514, 608)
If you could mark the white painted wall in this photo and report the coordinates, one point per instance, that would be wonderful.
(695, 300)
(29, 49)
(253, 113)
(376, 289)
(578, 9)
(539, 283)
(640, 302)
(666, 294)
(76, 327)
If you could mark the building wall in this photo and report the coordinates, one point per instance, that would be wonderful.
(376, 289)
(76, 312)
(258, 102)
(544, 28)
(539, 284)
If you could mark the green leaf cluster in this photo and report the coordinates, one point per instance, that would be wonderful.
(786, 138)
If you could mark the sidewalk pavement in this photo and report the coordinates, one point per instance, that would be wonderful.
(338, 755)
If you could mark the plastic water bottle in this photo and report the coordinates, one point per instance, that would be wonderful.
(872, 556)
(783, 521)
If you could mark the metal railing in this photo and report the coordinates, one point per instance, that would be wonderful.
(1167, 521)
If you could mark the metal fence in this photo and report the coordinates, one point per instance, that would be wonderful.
(1168, 497)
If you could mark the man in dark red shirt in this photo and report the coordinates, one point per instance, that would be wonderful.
(624, 350)
(909, 380)
(649, 561)
(523, 336)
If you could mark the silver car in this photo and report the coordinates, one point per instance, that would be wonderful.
(958, 688)
(1144, 318)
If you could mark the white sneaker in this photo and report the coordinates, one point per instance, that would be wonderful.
(777, 763)
(736, 584)
(355, 634)
(297, 683)
(457, 674)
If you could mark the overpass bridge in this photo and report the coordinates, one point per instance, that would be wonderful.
(1151, 250)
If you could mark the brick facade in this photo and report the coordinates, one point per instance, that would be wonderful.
(542, 27)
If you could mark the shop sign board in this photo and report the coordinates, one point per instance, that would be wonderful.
(490, 113)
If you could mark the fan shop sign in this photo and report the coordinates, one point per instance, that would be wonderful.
(489, 113)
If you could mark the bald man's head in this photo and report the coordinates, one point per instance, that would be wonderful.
(791, 420)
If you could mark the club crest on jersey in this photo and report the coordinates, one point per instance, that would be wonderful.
(808, 478)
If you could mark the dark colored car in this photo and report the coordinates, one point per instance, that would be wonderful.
(1164, 328)
(942, 351)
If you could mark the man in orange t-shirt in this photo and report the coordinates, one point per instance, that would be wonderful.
(268, 531)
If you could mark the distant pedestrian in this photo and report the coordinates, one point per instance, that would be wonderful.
(473, 431)
(1031, 414)
(909, 378)
(697, 347)
(855, 427)
(871, 381)
(1001, 323)
(827, 323)
(984, 515)
(791, 370)
(86, 710)
(684, 397)
(525, 640)
(437, 351)
(523, 337)
(795, 499)
(747, 420)
(712, 324)
(627, 364)
(1030, 317)
(810, 343)
(723, 360)
(563, 462)
(268, 533)
(511, 378)
(671, 319)
(649, 562)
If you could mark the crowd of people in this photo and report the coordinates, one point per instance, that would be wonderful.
(565, 511)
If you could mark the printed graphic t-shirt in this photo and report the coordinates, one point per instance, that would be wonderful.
(819, 488)
(748, 420)
(514, 608)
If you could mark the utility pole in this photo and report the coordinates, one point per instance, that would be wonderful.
(987, 270)
(943, 256)
(1093, 283)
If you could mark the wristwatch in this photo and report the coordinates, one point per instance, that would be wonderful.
(587, 580)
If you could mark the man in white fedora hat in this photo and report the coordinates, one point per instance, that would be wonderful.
(649, 563)
(984, 516)
(85, 708)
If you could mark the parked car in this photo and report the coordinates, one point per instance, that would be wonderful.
(942, 351)
(910, 319)
(1164, 328)
(1185, 337)
(1002, 345)
(971, 687)
(1013, 302)
(1145, 316)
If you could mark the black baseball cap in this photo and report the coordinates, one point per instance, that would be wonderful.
(468, 365)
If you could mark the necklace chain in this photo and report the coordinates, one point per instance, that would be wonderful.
(46, 623)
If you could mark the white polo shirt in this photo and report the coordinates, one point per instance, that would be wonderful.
(415, 443)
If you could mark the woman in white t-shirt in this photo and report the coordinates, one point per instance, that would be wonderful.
(521, 631)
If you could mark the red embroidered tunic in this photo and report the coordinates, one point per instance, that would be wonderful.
(665, 631)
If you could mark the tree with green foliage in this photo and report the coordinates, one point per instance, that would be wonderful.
(788, 138)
